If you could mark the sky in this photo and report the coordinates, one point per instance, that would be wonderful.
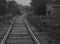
(24, 2)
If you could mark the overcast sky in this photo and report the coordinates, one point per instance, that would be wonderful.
(24, 2)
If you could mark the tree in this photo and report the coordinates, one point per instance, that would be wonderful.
(13, 7)
(39, 6)
(2, 7)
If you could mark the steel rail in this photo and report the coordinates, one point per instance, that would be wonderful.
(8, 31)
(31, 33)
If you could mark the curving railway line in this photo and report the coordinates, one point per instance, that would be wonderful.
(19, 33)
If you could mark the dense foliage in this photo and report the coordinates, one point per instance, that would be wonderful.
(8, 10)
(48, 25)
(2, 7)
(12, 7)
(39, 6)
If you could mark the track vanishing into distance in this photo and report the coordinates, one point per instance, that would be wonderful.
(19, 33)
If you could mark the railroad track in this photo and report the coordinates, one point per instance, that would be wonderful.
(19, 33)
